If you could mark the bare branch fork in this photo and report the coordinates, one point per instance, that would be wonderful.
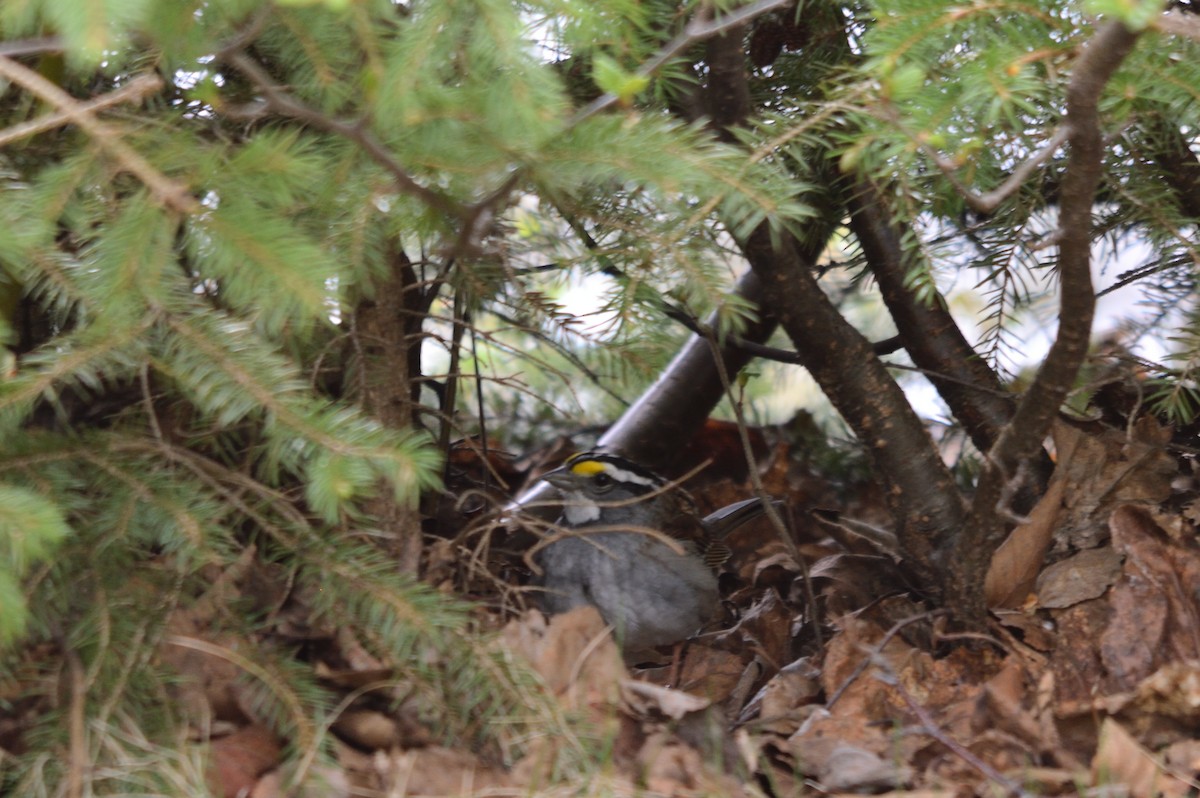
(989, 201)
(134, 91)
(697, 30)
(478, 218)
(171, 193)
(284, 103)
(1021, 438)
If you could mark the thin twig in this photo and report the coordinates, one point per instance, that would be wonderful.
(171, 193)
(989, 201)
(76, 723)
(699, 29)
(50, 44)
(450, 400)
(930, 727)
(877, 650)
(760, 490)
(284, 103)
(148, 400)
(134, 91)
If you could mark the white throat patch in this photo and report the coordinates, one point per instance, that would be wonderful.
(578, 510)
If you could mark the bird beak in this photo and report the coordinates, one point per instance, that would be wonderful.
(561, 478)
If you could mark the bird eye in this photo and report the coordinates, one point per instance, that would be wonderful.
(602, 481)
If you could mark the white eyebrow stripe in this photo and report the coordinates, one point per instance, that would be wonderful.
(627, 476)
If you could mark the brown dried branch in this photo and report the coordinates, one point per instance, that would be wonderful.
(1180, 24)
(281, 102)
(989, 201)
(50, 44)
(134, 91)
(931, 337)
(972, 549)
(171, 193)
(697, 30)
(921, 492)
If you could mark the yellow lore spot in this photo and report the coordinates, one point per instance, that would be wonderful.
(587, 468)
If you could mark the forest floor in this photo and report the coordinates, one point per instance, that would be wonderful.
(829, 675)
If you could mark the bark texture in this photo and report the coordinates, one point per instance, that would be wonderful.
(1023, 436)
(386, 337)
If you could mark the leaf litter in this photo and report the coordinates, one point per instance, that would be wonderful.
(826, 676)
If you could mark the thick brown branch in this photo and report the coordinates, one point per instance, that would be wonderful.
(920, 490)
(921, 493)
(932, 338)
(1179, 165)
(385, 334)
(699, 29)
(1023, 437)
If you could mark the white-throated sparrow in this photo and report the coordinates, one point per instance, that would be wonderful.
(636, 549)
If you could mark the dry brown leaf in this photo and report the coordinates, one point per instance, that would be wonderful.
(1155, 617)
(1084, 576)
(1131, 645)
(1172, 570)
(709, 672)
(847, 649)
(1078, 672)
(669, 767)
(208, 685)
(357, 768)
(437, 771)
(1034, 630)
(356, 655)
(574, 653)
(1016, 563)
(270, 785)
(320, 781)
(765, 629)
(849, 582)
(798, 685)
(774, 570)
(368, 729)
(856, 719)
(1121, 760)
(1183, 756)
(1107, 470)
(847, 768)
(650, 700)
(1172, 691)
(237, 761)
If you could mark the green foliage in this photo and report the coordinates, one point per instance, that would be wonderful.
(191, 375)
(186, 393)
(31, 529)
(612, 79)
